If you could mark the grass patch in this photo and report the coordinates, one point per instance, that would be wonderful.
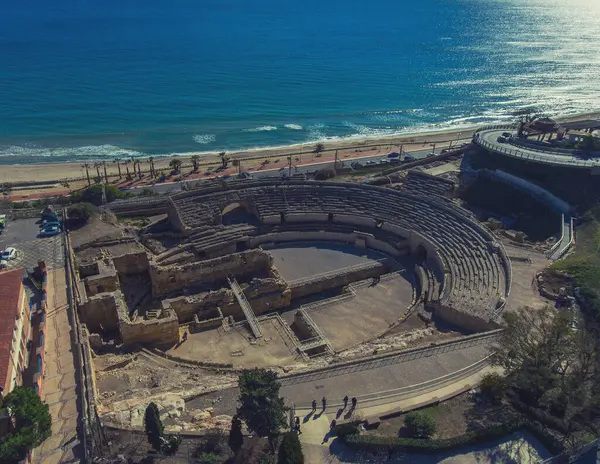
(584, 263)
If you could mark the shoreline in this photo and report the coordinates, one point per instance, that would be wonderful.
(73, 171)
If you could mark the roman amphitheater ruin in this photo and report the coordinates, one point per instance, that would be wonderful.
(286, 264)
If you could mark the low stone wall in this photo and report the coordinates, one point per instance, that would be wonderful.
(264, 295)
(173, 278)
(108, 282)
(132, 263)
(154, 332)
(99, 312)
(334, 281)
(463, 319)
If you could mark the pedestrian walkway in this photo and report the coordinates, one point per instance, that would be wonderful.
(318, 442)
(60, 387)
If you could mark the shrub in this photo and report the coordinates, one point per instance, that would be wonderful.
(494, 386)
(79, 214)
(420, 424)
(324, 174)
(349, 428)
(374, 443)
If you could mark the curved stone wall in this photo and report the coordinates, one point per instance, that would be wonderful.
(472, 267)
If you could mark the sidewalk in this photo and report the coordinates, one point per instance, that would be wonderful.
(315, 436)
(59, 388)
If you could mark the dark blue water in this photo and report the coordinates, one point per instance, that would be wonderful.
(94, 79)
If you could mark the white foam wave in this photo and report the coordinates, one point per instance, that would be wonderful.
(293, 126)
(261, 129)
(203, 139)
(71, 153)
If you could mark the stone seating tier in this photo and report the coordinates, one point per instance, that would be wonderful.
(475, 272)
(421, 183)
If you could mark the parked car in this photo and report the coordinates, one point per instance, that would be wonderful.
(393, 155)
(45, 224)
(50, 231)
(408, 158)
(8, 254)
(356, 165)
(384, 161)
(506, 134)
(429, 155)
(371, 163)
(394, 160)
(501, 139)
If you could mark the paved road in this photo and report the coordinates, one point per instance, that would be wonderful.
(22, 235)
(174, 187)
(488, 139)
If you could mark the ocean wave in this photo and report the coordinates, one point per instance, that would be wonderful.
(261, 129)
(203, 139)
(83, 153)
(293, 126)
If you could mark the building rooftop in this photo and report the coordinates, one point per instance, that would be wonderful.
(10, 290)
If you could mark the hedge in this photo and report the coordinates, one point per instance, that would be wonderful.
(373, 443)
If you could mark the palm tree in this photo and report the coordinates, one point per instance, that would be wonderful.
(118, 161)
(139, 163)
(126, 162)
(97, 166)
(224, 159)
(175, 164)
(319, 147)
(151, 161)
(105, 174)
(195, 160)
(86, 166)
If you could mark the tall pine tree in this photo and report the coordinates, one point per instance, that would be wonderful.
(290, 450)
(153, 426)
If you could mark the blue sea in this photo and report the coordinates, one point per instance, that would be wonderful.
(89, 79)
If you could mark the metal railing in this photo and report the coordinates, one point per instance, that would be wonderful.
(246, 308)
(549, 159)
(409, 355)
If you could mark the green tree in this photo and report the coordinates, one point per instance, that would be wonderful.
(31, 424)
(79, 214)
(261, 407)
(196, 162)
(420, 424)
(587, 143)
(493, 385)
(236, 438)
(175, 165)
(93, 194)
(153, 427)
(290, 450)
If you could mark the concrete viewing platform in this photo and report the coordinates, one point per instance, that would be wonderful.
(488, 139)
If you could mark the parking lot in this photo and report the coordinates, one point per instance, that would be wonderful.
(22, 234)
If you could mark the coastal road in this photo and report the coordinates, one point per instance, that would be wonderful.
(174, 187)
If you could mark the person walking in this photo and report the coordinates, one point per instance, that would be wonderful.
(314, 405)
(297, 424)
(345, 401)
(184, 338)
(354, 401)
(324, 401)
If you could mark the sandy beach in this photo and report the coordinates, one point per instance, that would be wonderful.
(252, 160)
(57, 172)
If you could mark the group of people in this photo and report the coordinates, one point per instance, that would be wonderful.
(353, 401)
